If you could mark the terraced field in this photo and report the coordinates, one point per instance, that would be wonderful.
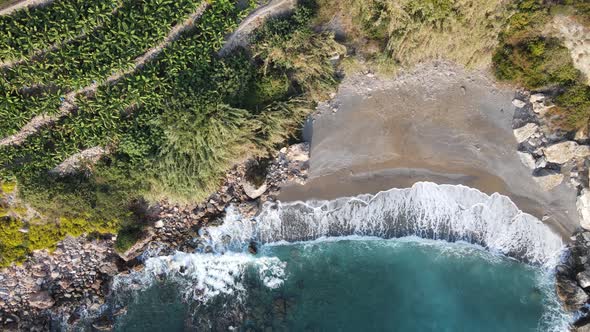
(109, 102)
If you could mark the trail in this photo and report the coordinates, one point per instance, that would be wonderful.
(240, 36)
(69, 103)
(23, 4)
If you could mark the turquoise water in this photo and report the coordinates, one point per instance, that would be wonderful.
(355, 285)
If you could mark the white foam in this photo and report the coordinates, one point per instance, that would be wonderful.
(427, 210)
(201, 277)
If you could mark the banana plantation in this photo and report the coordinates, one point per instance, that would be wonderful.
(143, 80)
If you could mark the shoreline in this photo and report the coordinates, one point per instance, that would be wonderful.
(341, 161)
(438, 123)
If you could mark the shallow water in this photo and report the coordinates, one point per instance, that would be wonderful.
(347, 284)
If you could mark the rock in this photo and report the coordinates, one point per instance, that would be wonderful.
(518, 103)
(541, 109)
(109, 268)
(572, 296)
(548, 181)
(537, 97)
(582, 135)
(253, 192)
(541, 162)
(585, 328)
(159, 224)
(582, 151)
(298, 152)
(525, 132)
(527, 160)
(561, 153)
(41, 300)
(583, 279)
(583, 205)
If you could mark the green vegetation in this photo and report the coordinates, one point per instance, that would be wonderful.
(124, 36)
(18, 239)
(29, 30)
(173, 128)
(529, 58)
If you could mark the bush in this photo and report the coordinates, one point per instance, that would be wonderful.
(533, 61)
(536, 63)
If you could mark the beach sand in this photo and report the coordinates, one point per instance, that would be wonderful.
(437, 123)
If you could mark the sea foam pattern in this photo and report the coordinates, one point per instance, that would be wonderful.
(201, 277)
(427, 210)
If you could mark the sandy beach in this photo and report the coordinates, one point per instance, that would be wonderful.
(438, 123)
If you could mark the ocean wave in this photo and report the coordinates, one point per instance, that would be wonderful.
(202, 277)
(427, 210)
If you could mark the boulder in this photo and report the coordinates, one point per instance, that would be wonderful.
(548, 181)
(561, 153)
(41, 300)
(527, 160)
(252, 191)
(518, 103)
(582, 151)
(572, 296)
(583, 205)
(582, 135)
(537, 97)
(583, 279)
(541, 109)
(525, 132)
(109, 268)
(159, 224)
(298, 152)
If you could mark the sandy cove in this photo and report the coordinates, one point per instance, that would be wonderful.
(438, 123)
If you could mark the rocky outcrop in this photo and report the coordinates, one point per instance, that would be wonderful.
(563, 152)
(70, 284)
(554, 156)
(573, 279)
(177, 226)
(73, 278)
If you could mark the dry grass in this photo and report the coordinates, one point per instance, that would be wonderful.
(412, 31)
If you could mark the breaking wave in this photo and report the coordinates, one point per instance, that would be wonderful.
(427, 210)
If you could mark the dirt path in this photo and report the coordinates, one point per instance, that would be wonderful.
(68, 105)
(22, 4)
(253, 21)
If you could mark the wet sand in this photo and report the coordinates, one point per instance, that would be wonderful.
(436, 123)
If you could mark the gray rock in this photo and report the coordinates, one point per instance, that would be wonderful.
(549, 180)
(583, 206)
(541, 162)
(583, 279)
(572, 296)
(252, 191)
(561, 153)
(41, 300)
(518, 103)
(159, 224)
(298, 152)
(537, 97)
(525, 132)
(527, 160)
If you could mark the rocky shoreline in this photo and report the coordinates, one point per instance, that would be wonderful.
(71, 285)
(57, 290)
(559, 158)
